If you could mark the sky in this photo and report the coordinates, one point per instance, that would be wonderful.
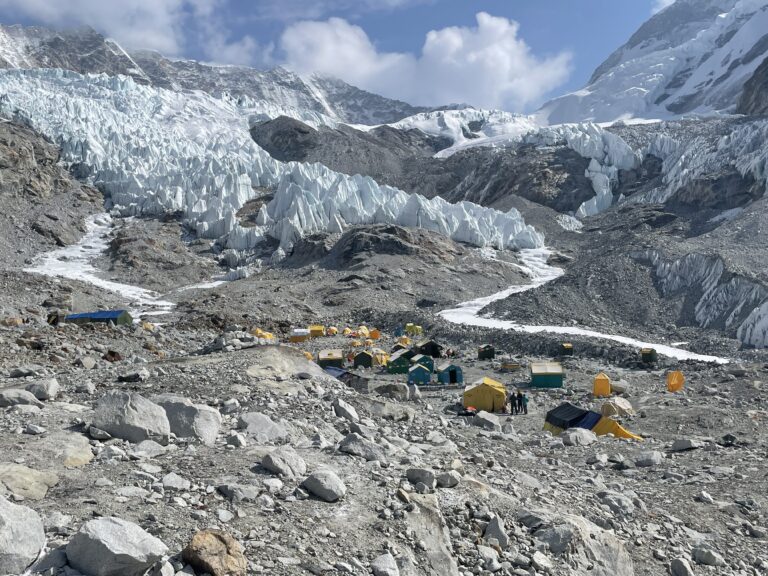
(508, 54)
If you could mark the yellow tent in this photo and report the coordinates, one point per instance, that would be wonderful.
(675, 381)
(607, 426)
(486, 394)
(374, 334)
(601, 386)
(262, 334)
(413, 329)
(316, 330)
(363, 331)
(308, 356)
(404, 341)
(355, 343)
(380, 357)
(298, 335)
(332, 331)
(368, 342)
(347, 331)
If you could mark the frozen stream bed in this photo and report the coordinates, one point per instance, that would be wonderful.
(535, 261)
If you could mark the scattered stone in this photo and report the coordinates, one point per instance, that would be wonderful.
(495, 530)
(25, 482)
(173, 481)
(680, 567)
(385, 565)
(132, 417)
(140, 375)
(707, 556)
(216, 553)
(188, 420)
(685, 444)
(261, 427)
(421, 475)
(648, 459)
(325, 485)
(344, 410)
(239, 492)
(112, 546)
(448, 479)
(44, 389)
(487, 421)
(22, 537)
(578, 437)
(285, 461)
(16, 396)
(356, 445)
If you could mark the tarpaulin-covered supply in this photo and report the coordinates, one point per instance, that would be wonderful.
(510, 365)
(330, 358)
(675, 381)
(547, 375)
(117, 317)
(299, 335)
(617, 407)
(601, 387)
(648, 355)
(565, 416)
(374, 334)
(363, 331)
(332, 331)
(486, 394)
(569, 416)
(262, 334)
(356, 381)
(418, 374)
(316, 330)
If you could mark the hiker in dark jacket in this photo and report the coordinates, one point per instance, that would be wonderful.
(519, 401)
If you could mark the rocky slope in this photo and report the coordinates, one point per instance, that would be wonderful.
(754, 100)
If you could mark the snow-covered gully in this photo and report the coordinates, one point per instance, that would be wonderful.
(75, 262)
(535, 260)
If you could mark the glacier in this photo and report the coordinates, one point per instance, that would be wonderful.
(153, 151)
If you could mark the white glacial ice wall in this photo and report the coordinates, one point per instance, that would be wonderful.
(724, 301)
(153, 151)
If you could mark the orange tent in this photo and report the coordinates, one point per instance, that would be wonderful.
(675, 381)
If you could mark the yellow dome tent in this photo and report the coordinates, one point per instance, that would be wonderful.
(347, 331)
(363, 331)
(332, 331)
(375, 334)
(601, 386)
(486, 394)
(675, 381)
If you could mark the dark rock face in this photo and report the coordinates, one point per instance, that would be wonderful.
(553, 177)
(754, 99)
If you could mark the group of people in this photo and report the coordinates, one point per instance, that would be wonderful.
(518, 403)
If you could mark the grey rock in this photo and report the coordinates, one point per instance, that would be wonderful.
(140, 375)
(385, 565)
(16, 396)
(326, 485)
(98, 433)
(285, 461)
(648, 459)
(132, 417)
(345, 410)
(356, 445)
(22, 537)
(449, 479)
(188, 420)
(236, 439)
(685, 444)
(707, 556)
(173, 481)
(147, 449)
(578, 437)
(421, 475)
(46, 389)
(680, 567)
(618, 503)
(487, 421)
(261, 427)
(394, 390)
(112, 546)
(497, 531)
(557, 538)
(239, 492)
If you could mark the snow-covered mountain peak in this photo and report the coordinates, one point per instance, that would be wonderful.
(694, 57)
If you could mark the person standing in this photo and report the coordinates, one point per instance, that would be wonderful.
(519, 401)
(512, 403)
(525, 403)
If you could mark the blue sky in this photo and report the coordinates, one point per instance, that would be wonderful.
(509, 54)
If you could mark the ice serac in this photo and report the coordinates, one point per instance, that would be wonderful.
(153, 151)
(693, 57)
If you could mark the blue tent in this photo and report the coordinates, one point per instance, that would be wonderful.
(418, 374)
(104, 316)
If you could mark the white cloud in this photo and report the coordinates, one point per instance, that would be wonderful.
(156, 24)
(488, 65)
(659, 5)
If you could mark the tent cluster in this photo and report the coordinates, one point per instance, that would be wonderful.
(568, 415)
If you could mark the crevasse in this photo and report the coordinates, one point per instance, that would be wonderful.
(153, 151)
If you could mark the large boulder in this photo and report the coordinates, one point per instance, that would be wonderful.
(344, 410)
(487, 421)
(22, 537)
(16, 396)
(326, 485)
(385, 565)
(262, 428)
(46, 389)
(285, 461)
(132, 417)
(111, 546)
(188, 420)
(578, 437)
(26, 482)
(356, 445)
(216, 553)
